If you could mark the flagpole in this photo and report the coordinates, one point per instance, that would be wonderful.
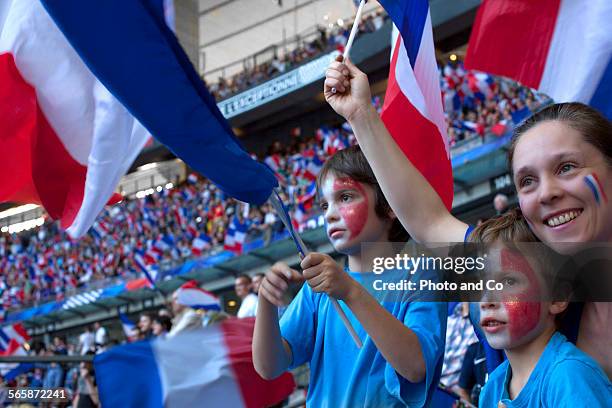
(354, 29)
(303, 251)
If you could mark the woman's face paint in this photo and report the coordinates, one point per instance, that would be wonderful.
(593, 183)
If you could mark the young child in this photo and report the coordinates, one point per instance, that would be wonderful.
(403, 342)
(543, 368)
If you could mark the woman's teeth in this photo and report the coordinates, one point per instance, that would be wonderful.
(562, 219)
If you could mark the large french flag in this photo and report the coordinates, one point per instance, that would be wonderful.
(566, 54)
(211, 367)
(413, 111)
(66, 141)
(78, 78)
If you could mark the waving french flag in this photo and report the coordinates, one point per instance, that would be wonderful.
(567, 54)
(78, 80)
(211, 367)
(413, 111)
(190, 294)
(66, 140)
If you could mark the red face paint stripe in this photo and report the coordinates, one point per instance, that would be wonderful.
(603, 193)
(523, 312)
(355, 215)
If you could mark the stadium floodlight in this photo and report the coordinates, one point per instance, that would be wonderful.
(17, 210)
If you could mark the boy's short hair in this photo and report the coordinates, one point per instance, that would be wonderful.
(351, 162)
(509, 227)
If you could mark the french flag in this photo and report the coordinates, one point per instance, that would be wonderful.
(72, 103)
(200, 244)
(413, 96)
(566, 55)
(67, 140)
(190, 294)
(148, 268)
(12, 339)
(129, 327)
(235, 236)
(211, 367)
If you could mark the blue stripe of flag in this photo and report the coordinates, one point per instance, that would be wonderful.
(602, 99)
(409, 16)
(129, 48)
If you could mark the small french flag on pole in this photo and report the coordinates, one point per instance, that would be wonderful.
(413, 96)
(190, 294)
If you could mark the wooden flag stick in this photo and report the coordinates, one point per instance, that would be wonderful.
(354, 29)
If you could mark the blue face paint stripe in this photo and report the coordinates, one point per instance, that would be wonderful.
(593, 188)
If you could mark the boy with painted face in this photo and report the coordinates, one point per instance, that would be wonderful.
(543, 368)
(403, 342)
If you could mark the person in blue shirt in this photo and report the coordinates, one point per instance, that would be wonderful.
(403, 342)
(543, 369)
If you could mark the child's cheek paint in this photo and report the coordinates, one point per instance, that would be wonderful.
(523, 312)
(355, 217)
(354, 214)
(522, 317)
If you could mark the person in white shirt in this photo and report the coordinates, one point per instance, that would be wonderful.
(86, 341)
(248, 306)
(101, 336)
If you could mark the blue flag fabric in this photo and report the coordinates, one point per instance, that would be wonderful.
(130, 49)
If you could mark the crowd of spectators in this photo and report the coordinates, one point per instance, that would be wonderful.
(326, 40)
(45, 264)
(478, 105)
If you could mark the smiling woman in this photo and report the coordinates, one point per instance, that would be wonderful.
(562, 163)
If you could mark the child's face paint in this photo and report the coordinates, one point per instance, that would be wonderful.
(350, 215)
(353, 210)
(523, 311)
(515, 315)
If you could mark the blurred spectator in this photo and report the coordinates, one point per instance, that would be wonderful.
(243, 287)
(87, 391)
(36, 380)
(59, 346)
(100, 336)
(473, 373)
(185, 318)
(161, 325)
(459, 335)
(54, 377)
(500, 203)
(87, 340)
(145, 325)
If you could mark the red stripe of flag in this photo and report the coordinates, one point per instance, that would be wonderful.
(36, 168)
(506, 41)
(421, 136)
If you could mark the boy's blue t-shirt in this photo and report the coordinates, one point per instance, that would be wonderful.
(563, 377)
(341, 375)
